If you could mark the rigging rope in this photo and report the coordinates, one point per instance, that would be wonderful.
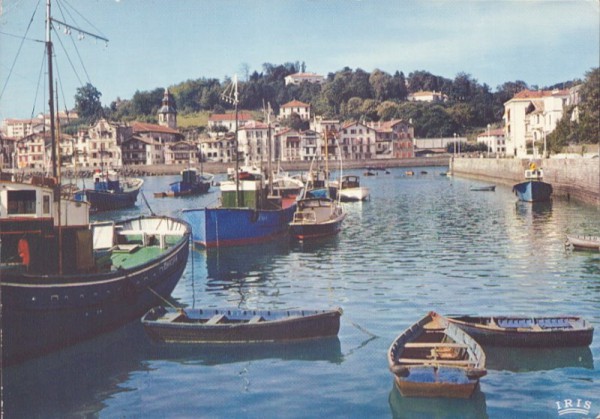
(19, 50)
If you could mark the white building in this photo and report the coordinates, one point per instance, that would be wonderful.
(530, 116)
(427, 96)
(297, 107)
(494, 140)
(299, 78)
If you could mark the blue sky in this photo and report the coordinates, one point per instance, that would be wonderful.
(157, 43)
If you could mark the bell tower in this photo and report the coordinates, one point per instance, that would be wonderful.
(167, 114)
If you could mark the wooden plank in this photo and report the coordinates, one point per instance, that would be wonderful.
(465, 362)
(217, 318)
(434, 345)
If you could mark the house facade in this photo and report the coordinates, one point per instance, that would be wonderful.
(427, 96)
(299, 78)
(394, 139)
(357, 141)
(494, 140)
(226, 121)
(297, 107)
(182, 152)
(531, 115)
(141, 150)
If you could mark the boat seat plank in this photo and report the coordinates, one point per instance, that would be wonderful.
(216, 319)
(465, 362)
(170, 316)
(256, 319)
(434, 345)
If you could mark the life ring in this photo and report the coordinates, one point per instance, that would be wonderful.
(532, 166)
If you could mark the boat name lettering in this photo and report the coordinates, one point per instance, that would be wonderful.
(167, 264)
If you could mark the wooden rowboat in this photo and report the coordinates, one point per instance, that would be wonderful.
(577, 242)
(239, 326)
(526, 331)
(434, 358)
(490, 188)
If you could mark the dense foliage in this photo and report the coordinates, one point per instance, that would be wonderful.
(358, 95)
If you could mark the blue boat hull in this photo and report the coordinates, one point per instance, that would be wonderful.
(45, 313)
(533, 191)
(215, 227)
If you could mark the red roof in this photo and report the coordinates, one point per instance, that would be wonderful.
(254, 125)
(496, 132)
(145, 127)
(296, 104)
(242, 116)
(534, 94)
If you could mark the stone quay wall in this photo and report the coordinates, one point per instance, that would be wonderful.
(577, 178)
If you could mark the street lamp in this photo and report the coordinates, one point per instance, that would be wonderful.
(455, 144)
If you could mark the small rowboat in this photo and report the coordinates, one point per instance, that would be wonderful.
(239, 326)
(583, 242)
(490, 188)
(434, 358)
(526, 331)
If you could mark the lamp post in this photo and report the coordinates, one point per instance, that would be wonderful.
(455, 144)
(489, 140)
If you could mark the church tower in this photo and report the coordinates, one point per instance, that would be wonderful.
(167, 114)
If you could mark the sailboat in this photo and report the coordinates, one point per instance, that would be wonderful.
(317, 215)
(64, 280)
(249, 212)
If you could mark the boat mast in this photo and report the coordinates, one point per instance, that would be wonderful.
(270, 157)
(51, 91)
(231, 95)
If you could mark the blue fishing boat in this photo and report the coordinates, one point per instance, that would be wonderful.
(110, 192)
(247, 214)
(534, 189)
(191, 183)
(64, 280)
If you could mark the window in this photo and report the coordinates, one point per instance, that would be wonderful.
(46, 204)
(21, 202)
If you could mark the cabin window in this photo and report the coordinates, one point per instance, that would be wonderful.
(46, 204)
(21, 202)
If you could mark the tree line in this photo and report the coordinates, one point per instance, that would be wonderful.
(351, 94)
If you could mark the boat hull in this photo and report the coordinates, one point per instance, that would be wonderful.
(43, 313)
(435, 389)
(533, 191)
(435, 358)
(236, 327)
(107, 201)
(584, 242)
(515, 331)
(215, 227)
(315, 231)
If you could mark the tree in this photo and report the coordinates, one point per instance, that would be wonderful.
(87, 103)
(589, 121)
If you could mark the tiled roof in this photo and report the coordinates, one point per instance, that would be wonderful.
(254, 125)
(242, 116)
(496, 132)
(145, 127)
(295, 104)
(536, 94)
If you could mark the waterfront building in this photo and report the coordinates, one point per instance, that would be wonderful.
(253, 142)
(182, 152)
(141, 150)
(394, 139)
(494, 140)
(218, 149)
(19, 128)
(357, 141)
(530, 116)
(31, 151)
(295, 107)
(299, 78)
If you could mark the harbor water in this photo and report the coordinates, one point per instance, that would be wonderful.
(423, 242)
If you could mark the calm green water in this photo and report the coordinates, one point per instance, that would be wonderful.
(421, 243)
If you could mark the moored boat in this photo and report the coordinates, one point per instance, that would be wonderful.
(435, 358)
(349, 189)
(110, 192)
(533, 189)
(63, 280)
(191, 183)
(317, 217)
(578, 242)
(486, 188)
(247, 214)
(239, 325)
(526, 331)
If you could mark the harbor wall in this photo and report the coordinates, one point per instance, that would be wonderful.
(577, 178)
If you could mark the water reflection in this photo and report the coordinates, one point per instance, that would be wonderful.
(77, 380)
(537, 359)
(426, 408)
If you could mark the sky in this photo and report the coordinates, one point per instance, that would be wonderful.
(159, 43)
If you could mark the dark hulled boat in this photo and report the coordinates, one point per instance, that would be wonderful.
(550, 331)
(238, 325)
(191, 183)
(110, 192)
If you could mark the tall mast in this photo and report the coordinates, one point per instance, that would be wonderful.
(51, 88)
